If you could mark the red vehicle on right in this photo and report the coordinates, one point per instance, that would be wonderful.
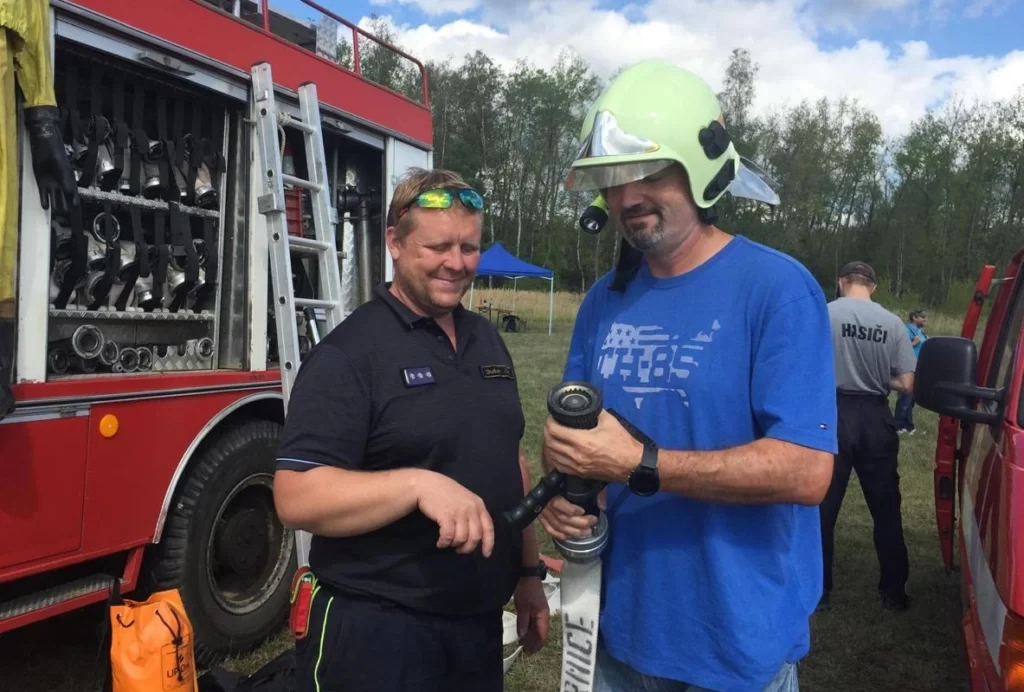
(979, 468)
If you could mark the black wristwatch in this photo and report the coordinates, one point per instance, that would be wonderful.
(644, 479)
(540, 570)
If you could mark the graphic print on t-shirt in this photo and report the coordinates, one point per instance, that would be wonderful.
(648, 359)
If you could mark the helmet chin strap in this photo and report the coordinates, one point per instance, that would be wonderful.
(626, 267)
(629, 257)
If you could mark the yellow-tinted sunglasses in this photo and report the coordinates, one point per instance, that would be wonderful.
(444, 198)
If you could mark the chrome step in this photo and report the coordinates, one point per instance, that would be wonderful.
(46, 598)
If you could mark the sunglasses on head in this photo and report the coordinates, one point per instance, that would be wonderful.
(444, 198)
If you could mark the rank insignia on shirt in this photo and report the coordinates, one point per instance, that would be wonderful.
(491, 372)
(414, 377)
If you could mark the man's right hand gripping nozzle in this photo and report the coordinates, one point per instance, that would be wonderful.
(54, 175)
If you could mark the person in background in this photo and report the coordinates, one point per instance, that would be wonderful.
(905, 400)
(872, 358)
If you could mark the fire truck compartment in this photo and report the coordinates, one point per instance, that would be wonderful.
(134, 283)
(153, 280)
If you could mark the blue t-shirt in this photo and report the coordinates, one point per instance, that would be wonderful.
(912, 331)
(716, 595)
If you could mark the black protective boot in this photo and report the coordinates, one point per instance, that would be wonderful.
(6, 361)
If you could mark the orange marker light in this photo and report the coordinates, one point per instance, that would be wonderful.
(108, 425)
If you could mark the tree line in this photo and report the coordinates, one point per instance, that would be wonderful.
(927, 209)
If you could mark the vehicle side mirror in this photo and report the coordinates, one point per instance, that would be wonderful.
(945, 380)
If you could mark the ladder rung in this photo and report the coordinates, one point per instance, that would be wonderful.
(299, 182)
(298, 125)
(315, 303)
(307, 244)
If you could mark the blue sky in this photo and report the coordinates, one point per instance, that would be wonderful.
(897, 57)
(946, 26)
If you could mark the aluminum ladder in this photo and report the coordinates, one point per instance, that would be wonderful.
(287, 307)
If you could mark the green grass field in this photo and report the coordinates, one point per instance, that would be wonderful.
(855, 647)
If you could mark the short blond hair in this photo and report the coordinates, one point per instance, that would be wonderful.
(409, 187)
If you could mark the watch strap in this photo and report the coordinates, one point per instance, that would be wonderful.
(649, 459)
(540, 570)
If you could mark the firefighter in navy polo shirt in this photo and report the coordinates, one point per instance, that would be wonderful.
(401, 445)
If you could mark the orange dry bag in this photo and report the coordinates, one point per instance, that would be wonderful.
(151, 644)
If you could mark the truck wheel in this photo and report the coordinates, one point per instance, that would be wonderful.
(223, 546)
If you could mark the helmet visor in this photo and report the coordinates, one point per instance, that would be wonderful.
(752, 182)
(604, 177)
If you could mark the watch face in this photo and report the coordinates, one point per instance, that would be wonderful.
(644, 481)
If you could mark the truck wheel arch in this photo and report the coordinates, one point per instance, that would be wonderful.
(268, 405)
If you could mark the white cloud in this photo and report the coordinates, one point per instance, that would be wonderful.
(432, 7)
(897, 85)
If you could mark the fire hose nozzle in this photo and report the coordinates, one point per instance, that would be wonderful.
(145, 357)
(87, 342)
(204, 347)
(58, 360)
(574, 405)
(128, 359)
(109, 354)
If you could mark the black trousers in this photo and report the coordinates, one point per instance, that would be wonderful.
(869, 445)
(362, 645)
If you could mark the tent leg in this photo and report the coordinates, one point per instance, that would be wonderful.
(551, 303)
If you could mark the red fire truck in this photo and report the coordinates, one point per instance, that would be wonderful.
(148, 398)
(979, 457)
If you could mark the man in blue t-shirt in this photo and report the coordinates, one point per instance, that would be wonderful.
(904, 413)
(719, 349)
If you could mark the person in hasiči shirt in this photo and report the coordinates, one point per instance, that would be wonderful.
(718, 348)
(872, 358)
(905, 400)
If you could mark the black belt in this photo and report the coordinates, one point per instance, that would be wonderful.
(862, 395)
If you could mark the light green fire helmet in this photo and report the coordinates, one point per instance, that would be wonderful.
(655, 114)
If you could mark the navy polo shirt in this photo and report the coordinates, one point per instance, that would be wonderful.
(386, 390)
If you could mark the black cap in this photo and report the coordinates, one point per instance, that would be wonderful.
(861, 269)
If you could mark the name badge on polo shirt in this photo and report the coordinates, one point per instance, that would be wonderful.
(415, 377)
(492, 372)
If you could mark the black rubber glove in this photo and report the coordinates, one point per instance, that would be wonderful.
(50, 162)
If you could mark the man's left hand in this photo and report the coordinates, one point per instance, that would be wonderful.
(532, 614)
(605, 453)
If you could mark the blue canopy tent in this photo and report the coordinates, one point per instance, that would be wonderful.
(497, 261)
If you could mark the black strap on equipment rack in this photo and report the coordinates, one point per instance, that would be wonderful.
(112, 261)
(167, 184)
(140, 141)
(210, 282)
(141, 259)
(181, 242)
(79, 246)
(162, 256)
(121, 134)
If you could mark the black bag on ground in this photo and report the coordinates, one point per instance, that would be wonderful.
(278, 675)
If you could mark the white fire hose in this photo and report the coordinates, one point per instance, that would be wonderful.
(576, 405)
